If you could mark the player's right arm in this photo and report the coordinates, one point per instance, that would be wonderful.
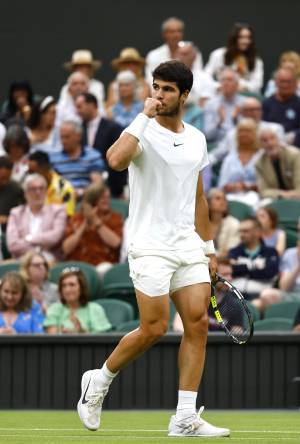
(126, 148)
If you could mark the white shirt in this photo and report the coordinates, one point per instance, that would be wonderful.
(253, 80)
(163, 181)
(2, 135)
(92, 128)
(163, 54)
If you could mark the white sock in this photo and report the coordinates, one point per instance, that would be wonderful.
(186, 404)
(105, 376)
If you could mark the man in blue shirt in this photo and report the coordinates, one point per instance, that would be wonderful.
(284, 106)
(254, 265)
(79, 165)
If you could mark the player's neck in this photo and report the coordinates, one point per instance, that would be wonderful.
(172, 123)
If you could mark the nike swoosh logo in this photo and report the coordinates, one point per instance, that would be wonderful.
(84, 400)
(178, 144)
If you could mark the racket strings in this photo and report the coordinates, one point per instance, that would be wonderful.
(232, 313)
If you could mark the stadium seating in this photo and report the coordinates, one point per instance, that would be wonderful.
(273, 324)
(239, 210)
(291, 237)
(120, 206)
(117, 311)
(5, 267)
(118, 284)
(88, 270)
(254, 311)
(286, 310)
(117, 280)
(128, 326)
(288, 211)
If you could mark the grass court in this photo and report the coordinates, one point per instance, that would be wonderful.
(143, 427)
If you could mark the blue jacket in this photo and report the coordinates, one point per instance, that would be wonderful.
(264, 265)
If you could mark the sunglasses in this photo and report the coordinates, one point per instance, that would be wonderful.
(70, 270)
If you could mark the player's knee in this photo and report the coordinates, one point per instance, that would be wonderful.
(198, 325)
(154, 331)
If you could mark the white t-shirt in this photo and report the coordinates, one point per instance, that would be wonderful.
(162, 182)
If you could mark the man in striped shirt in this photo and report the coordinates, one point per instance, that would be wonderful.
(79, 165)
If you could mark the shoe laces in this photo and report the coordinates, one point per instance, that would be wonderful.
(96, 399)
(196, 421)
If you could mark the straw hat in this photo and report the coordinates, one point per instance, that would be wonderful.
(128, 55)
(82, 57)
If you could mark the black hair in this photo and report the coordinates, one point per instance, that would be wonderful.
(175, 71)
(40, 157)
(232, 49)
(36, 113)
(17, 86)
(16, 135)
(6, 163)
(89, 98)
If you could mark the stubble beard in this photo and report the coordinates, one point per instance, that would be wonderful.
(173, 112)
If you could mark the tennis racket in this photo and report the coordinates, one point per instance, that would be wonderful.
(231, 310)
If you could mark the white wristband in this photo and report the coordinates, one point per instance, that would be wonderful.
(209, 247)
(138, 125)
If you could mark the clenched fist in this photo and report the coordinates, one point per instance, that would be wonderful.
(151, 107)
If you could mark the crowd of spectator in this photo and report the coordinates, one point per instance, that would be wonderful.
(56, 185)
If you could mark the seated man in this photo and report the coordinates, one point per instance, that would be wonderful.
(81, 166)
(60, 190)
(278, 168)
(254, 266)
(77, 83)
(94, 234)
(289, 281)
(284, 106)
(250, 108)
(221, 112)
(36, 225)
(100, 133)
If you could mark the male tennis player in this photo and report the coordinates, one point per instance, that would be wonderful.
(171, 253)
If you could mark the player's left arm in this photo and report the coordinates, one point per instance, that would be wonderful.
(202, 224)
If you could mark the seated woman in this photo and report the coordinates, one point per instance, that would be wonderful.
(35, 268)
(237, 175)
(18, 312)
(19, 103)
(17, 145)
(127, 107)
(240, 54)
(270, 234)
(74, 314)
(131, 60)
(94, 234)
(225, 228)
(41, 129)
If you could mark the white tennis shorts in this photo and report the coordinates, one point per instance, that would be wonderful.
(157, 272)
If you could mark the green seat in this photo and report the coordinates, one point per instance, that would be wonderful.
(252, 94)
(117, 280)
(286, 310)
(273, 324)
(288, 211)
(254, 311)
(117, 311)
(128, 326)
(5, 267)
(239, 210)
(88, 270)
(120, 206)
(291, 237)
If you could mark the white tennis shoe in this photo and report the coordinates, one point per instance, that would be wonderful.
(195, 426)
(89, 406)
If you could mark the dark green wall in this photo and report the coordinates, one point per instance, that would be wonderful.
(38, 36)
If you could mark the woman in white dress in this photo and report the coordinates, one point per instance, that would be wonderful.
(240, 54)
